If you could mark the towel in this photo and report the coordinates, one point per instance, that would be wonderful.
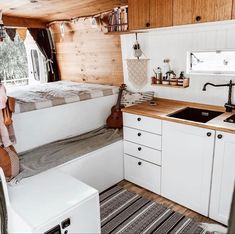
(7, 135)
(3, 96)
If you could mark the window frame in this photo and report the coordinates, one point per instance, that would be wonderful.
(43, 78)
(208, 73)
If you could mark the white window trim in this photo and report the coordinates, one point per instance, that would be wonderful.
(208, 73)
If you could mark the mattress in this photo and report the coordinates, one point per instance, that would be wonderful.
(35, 97)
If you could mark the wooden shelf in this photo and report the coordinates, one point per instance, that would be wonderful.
(185, 84)
(124, 32)
(171, 86)
(118, 33)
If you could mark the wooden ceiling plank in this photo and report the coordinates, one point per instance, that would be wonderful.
(10, 21)
(51, 10)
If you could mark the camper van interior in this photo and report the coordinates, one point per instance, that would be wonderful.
(117, 116)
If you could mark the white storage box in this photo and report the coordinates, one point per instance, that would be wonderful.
(53, 202)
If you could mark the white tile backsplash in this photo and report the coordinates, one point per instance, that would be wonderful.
(174, 43)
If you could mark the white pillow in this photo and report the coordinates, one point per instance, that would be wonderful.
(131, 98)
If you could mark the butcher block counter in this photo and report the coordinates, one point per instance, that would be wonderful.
(165, 107)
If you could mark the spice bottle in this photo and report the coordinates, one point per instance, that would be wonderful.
(181, 79)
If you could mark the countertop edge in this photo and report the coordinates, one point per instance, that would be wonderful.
(136, 110)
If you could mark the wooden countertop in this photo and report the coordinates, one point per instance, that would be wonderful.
(164, 107)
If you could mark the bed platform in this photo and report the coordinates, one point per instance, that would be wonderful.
(59, 110)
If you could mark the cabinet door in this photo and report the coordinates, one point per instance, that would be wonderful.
(233, 10)
(212, 10)
(143, 173)
(223, 177)
(138, 13)
(187, 156)
(161, 13)
(223, 9)
(182, 12)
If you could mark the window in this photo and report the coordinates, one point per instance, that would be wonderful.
(13, 62)
(211, 62)
(21, 62)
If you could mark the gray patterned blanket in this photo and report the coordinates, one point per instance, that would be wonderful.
(35, 97)
(54, 154)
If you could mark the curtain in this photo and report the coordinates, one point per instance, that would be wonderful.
(44, 41)
(11, 32)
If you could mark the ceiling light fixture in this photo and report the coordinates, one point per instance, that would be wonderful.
(2, 28)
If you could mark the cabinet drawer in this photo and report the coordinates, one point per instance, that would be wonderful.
(143, 138)
(142, 123)
(143, 173)
(143, 152)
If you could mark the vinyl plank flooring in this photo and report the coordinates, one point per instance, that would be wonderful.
(165, 202)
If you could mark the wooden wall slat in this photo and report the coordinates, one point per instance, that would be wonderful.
(85, 54)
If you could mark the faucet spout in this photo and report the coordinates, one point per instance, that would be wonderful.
(214, 85)
(206, 84)
(228, 105)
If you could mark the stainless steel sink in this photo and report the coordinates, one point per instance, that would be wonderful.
(231, 119)
(196, 115)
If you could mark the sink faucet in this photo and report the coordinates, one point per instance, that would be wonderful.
(229, 106)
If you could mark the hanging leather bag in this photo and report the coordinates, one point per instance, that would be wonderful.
(7, 112)
(9, 162)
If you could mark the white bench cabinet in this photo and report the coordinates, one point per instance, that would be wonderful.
(187, 158)
(223, 177)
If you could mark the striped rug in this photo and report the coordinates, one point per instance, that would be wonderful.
(126, 212)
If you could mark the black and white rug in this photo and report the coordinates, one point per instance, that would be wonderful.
(126, 212)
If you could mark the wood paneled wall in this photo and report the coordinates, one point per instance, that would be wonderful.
(86, 54)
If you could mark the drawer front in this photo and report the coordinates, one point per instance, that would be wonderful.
(143, 152)
(143, 138)
(142, 173)
(142, 123)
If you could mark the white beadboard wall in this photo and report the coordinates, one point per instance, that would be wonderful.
(174, 43)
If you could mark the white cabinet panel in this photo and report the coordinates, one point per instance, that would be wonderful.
(100, 169)
(223, 177)
(187, 157)
(143, 138)
(143, 173)
(143, 152)
(143, 123)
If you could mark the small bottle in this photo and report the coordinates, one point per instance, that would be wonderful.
(159, 75)
(181, 79)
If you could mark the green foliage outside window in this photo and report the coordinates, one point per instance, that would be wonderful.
(13, 62)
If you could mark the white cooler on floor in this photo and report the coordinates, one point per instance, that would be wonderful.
(53, 203)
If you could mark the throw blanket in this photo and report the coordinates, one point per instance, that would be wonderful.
(59, 152)
(7, 135)
(41, 96)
